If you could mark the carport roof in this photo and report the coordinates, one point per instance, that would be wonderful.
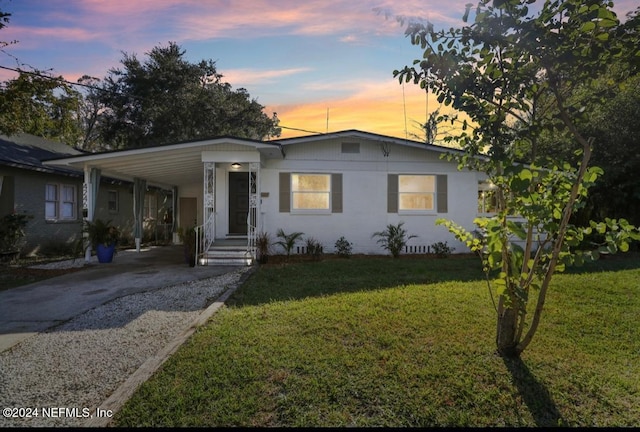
(163, 165)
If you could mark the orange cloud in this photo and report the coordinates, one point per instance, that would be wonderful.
(379, 107)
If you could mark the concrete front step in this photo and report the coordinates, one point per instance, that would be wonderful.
(226, 255)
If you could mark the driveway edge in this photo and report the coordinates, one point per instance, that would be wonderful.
(120, 396)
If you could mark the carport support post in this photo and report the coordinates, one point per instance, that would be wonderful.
(88, 207)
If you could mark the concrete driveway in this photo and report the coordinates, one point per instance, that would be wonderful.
(36, 307)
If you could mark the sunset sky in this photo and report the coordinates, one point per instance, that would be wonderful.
(301, 59)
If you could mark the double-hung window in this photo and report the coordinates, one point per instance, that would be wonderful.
(417, 193)
(312, 193)
(60, 202)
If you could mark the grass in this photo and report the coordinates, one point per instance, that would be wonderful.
(409, 342)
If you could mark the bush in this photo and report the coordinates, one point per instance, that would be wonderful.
(12, 234)
(288, 241)
(314, 248)
(394, 238)
(441, 249)
(343, 247)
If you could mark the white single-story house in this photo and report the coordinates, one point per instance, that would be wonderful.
(348, 183)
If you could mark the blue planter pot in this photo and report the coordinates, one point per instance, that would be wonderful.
(105, 253)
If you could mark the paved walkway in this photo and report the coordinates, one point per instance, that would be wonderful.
(36, 307)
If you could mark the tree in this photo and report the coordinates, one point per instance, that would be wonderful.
(168, 99)
(40, 105)
(37, 103)
(613, 123)
(505, 70)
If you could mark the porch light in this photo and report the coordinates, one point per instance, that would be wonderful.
(236, 165)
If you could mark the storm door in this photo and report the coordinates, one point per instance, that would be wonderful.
(238, 202)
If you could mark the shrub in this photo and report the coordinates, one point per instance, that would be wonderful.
(288, 241)
(263, 247)
(12, 232)
(343, 247)
(314, 248)
(441, 249)
(394, 238)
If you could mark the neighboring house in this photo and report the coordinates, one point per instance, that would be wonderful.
(52, 195)
(349, 184)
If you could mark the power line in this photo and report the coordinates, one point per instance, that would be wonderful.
(49, 77)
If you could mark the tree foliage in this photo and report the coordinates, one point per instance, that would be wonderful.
(41, 105)
(516, 63)
(168, 99)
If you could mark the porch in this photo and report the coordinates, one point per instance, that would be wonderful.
(214, 184)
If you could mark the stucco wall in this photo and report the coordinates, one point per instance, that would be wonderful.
(365, 195)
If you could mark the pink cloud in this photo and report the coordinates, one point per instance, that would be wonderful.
(241, 77)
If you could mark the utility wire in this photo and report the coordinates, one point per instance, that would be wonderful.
(52, 78)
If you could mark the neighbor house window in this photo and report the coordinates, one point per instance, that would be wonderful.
(112, 201)
(416, 192)
(310, 192)
(487, 201)
(60, 202)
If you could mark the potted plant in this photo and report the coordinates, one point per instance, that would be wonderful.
(188, 239)
(263, 247)
(103, 236)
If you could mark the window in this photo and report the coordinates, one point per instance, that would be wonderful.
(310, 191)
(60, 202)
(487, 202)
(350, 147)
(416, 192)
(112, 201)
(150, 206)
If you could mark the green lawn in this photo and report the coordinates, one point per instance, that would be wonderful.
(408, 342)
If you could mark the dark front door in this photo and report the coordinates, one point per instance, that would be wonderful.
(238, 202)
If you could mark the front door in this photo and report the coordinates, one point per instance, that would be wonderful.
(238, 202)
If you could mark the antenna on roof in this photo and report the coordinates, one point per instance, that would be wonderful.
(404, 106)
(327, 120)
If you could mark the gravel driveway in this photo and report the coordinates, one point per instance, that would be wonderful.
(65, 373)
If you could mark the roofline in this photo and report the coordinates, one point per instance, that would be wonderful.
(369, 136)
(88, 157)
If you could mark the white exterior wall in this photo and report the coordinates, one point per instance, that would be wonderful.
(365, 194)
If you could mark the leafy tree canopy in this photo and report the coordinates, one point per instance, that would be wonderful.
(40, 105)
(168, 99)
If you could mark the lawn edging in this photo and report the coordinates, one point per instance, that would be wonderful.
(118, 398)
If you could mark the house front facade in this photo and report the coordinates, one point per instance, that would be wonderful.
(347, 184)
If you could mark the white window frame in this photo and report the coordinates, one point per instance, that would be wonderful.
(433, 193)
(328, 193)
(60, 202)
